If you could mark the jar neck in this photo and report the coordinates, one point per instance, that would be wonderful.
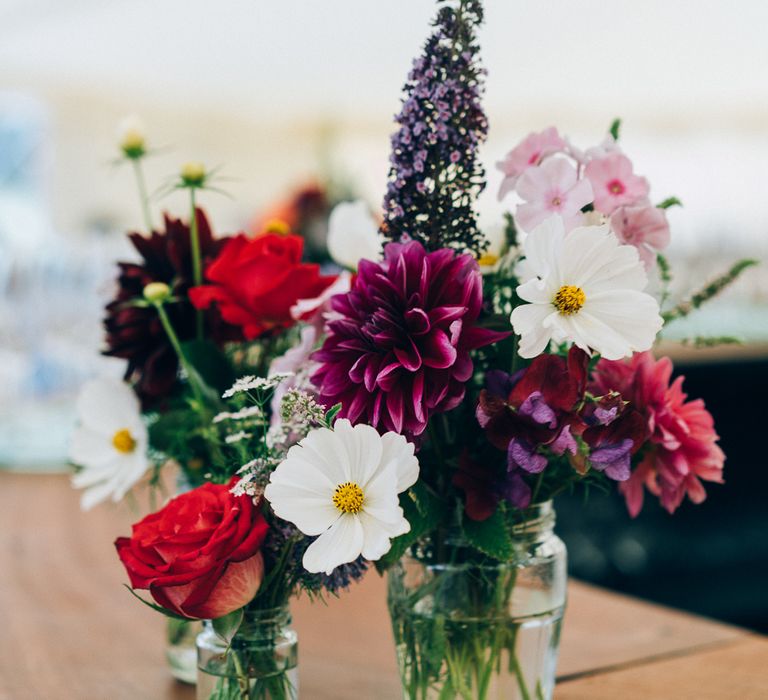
(261, 623)
(535, 521)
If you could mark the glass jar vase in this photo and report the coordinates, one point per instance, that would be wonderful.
(261, 663)
(180, 651)
(470, 627)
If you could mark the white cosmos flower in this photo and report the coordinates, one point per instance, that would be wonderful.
(585, 288)
(109, 442)
(353, 234)
(342, 485)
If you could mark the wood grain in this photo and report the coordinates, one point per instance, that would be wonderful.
(71, 631)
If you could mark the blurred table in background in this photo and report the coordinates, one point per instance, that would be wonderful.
(72, 632)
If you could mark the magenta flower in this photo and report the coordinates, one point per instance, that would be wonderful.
(614, 184)
(528, 153)
(682, 448)
(645, 227)
(398, 347)
(552, 188)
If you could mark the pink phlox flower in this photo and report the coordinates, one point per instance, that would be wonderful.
(645, 227)
(528, 153)
(552, 188)
(614, 183)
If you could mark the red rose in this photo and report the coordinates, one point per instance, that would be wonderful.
(199, 555)
(255, 282)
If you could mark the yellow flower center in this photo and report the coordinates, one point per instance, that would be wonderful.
(123, 441)
(569, 299)
(487, 259)
(348, 497)
(277, 226)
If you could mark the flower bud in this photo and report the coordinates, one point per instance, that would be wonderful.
(193, 174)
(132, 139)
(157, 292)
(277, 226)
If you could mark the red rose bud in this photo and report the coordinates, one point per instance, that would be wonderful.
(199, 556)
(255, 282)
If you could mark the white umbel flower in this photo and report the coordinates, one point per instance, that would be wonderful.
(109, 443)
(353, 234)
(583, 288)
(343, 485)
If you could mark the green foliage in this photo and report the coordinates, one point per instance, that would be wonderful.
(226, 627)
(210, 364)
(490, 536)
(701, 341)
(424, 511)
(331, 413)
(709, 291)
(669, 202)
(614, 128)
(155, 607)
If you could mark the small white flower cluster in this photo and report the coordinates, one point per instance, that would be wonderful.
(255, 475)
(299, 411)
(237, 437)
(254, 412)
(250, 382)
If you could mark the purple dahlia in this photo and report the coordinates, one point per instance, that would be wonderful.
(398, 346)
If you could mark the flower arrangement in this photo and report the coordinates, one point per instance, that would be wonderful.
(421, 414)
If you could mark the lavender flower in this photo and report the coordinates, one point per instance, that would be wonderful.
(435, 175)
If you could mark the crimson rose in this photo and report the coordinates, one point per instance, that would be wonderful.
(255, 282)
(199, 555)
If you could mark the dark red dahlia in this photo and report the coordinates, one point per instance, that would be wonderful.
(135, 334)
(398, 347)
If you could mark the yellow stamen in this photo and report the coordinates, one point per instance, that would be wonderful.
(348, 497)
(569, 299)
(277, 226)
(123, 441)
(487, 259)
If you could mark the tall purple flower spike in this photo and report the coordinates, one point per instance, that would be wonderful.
(435, 175)
(398, 349)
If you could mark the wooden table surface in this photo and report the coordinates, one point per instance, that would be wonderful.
(70, 631)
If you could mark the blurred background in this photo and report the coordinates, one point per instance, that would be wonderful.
(295, 102)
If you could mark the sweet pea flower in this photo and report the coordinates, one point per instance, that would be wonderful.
(528, 153)
(614, 184)
(552, 188)
(645, 227)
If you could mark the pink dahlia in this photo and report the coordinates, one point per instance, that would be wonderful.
(397, 348)
(682, 449)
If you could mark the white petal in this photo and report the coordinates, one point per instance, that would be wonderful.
(541, 245)
(107, 405)
(90, 449)
(341, 544)
(296, 472)
(310, 513)
(528, 322)
(381, 501)
(325, 450)
(397, 448)
(353, 234)
(377, 539)
(95, 495)
(364, 449)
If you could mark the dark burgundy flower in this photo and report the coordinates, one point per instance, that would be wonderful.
(398, 349)
(135, 334)
(539, 409)
(480, 487)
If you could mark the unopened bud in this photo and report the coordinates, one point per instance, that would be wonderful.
(157, 292)
(132, 138)
(193, 174)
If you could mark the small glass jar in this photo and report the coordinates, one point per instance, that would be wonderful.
(467, 626)
(261, 663)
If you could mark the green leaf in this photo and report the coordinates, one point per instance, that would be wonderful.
(210, 363)
(170, 427)
(424, 512)
(226, 627)
(331, 413)
(669, 202)
(158, 608)
(613, 130)
(490, 536)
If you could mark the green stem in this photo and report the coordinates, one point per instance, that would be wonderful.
(142, 186)
(174, 340)
(197, 268)
(243, 681)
